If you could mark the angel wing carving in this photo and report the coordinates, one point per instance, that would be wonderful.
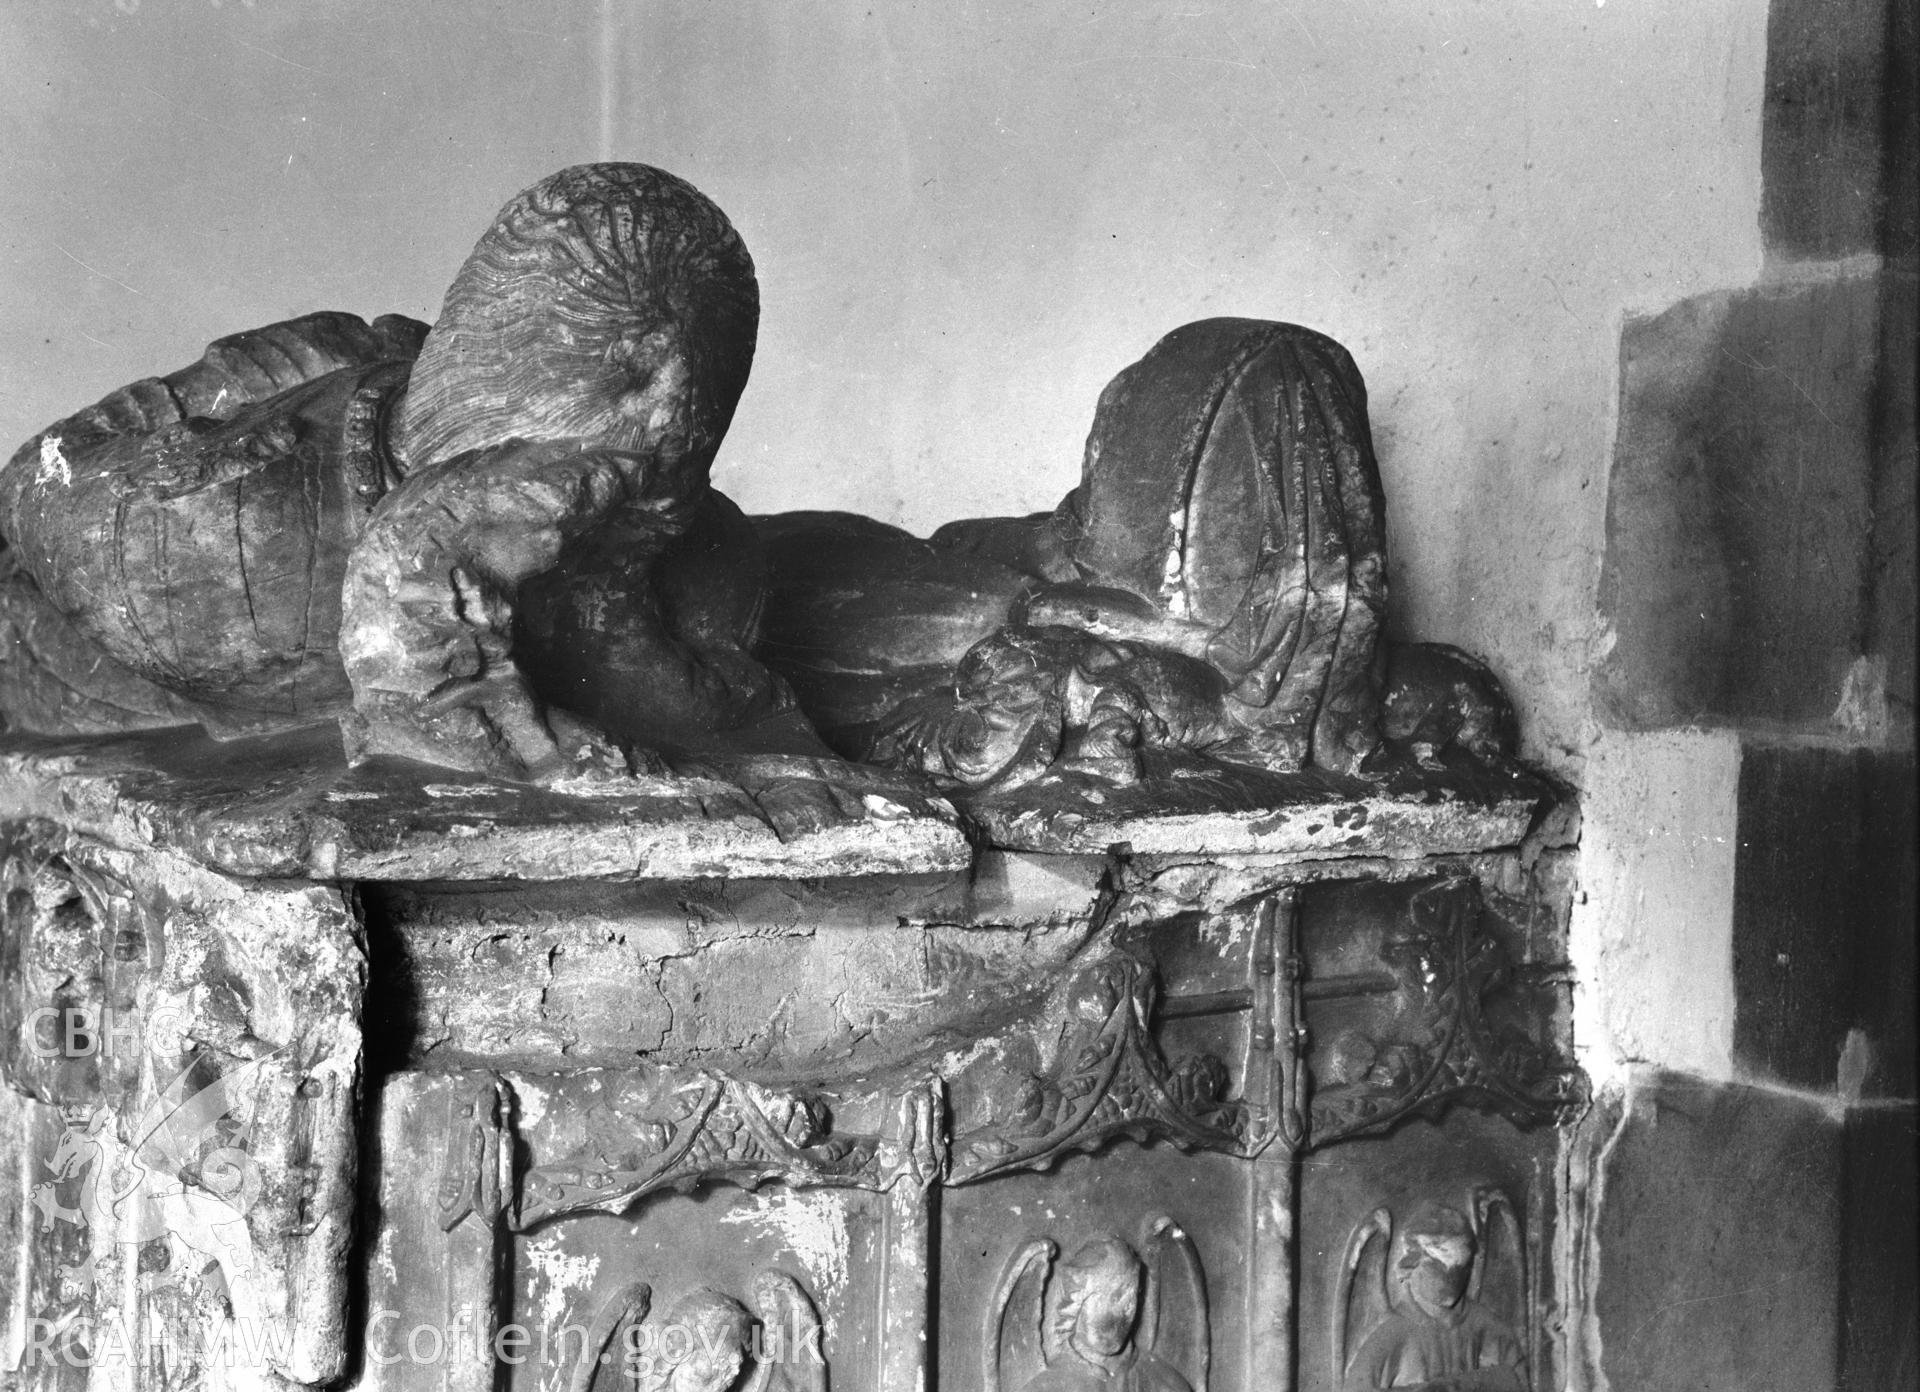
(1360, 1286)
(1175, 1322)
(1500, 1274)
(1435, 1301)
(1016, 1333)
(1106, 1314)
(628, 1306)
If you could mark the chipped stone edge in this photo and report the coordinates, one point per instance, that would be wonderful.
(313, 845)
(1380, 827)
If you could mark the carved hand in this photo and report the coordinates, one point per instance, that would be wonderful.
(427, 609)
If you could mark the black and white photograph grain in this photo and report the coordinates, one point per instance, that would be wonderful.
(959, 696)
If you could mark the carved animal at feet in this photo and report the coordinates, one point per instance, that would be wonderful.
(490, 545)
(1440, 698)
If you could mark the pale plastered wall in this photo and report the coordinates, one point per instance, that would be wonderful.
(967, 217)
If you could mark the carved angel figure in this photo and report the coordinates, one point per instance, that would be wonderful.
(706, 1341)
(1441, 1305)
(1101, 1320)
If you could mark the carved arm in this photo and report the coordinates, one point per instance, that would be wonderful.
(427, 608)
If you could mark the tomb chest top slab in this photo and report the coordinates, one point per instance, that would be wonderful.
(290, 807)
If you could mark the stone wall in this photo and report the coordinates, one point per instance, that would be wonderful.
(1748, 936)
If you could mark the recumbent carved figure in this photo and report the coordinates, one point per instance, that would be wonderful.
(492, 545)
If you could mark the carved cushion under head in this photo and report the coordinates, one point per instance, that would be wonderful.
(609, 303)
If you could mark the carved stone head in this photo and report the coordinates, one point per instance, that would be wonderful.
(1102, 1295)
(713, 1329)
(1433, 1261)
(612, 304)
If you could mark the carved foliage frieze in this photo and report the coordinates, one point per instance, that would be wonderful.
(1442, 971)
(1096, 1071)
(1109, 1078)
(618, 1136)
(1097, 1067)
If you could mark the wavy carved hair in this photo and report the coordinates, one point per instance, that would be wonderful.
(572, 273)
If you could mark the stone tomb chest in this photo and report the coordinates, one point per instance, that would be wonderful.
(425, 1082)
(483, 913)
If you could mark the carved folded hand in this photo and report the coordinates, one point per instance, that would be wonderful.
(428, 606)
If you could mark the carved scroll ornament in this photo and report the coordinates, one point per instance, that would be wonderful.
(1109, 1079)
(637, 1133)
(1443, 1047)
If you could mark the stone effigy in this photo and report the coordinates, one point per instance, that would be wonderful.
(445, 537)
(484, 913)
(1215, 584)
(496, 541)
